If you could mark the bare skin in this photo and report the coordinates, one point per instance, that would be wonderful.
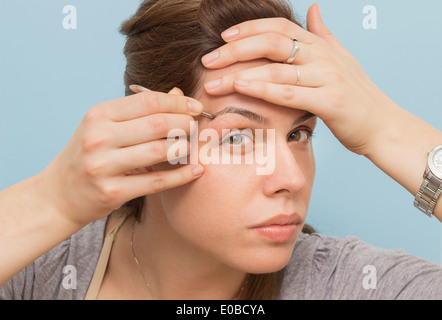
(106, 162)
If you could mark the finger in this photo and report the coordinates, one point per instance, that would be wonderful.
(282, 26)
(153, 182)
(138, 89)
(153, 127)
(272, 46)
(272, 72)
(176, 91)
(304, 98)
(147, 154)
(316, 25)
(148, 103)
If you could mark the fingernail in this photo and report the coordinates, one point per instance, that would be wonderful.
(175, 91)
(210, 58)
(242, 83)
(197, 171)
(137, 89)
(230, 34)
(213, 84)
(195, 107)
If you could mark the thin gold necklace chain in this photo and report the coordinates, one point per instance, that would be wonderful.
(138, 263)
(141, 269)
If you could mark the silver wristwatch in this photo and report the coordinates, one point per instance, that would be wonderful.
(431, 188)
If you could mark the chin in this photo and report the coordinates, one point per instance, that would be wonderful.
(267, 260)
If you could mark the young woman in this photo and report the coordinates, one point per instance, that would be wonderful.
(127, 223)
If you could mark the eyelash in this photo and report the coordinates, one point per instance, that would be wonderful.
(308, 131)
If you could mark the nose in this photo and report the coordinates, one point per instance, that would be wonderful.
(287, 178)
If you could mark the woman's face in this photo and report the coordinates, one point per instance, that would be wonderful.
(245, 219)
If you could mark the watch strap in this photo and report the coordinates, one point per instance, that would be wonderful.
(428, 194)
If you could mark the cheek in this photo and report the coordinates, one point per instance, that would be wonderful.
(309, 169)
(221, 191)
(209, 207)
(308, 166)
(307, 163)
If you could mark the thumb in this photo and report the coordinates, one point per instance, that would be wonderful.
(316, 25)
(176, 92)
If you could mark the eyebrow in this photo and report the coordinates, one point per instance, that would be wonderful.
(303, 118)
(257, 117)
(245, 113)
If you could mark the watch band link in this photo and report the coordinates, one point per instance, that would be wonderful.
(429, 192)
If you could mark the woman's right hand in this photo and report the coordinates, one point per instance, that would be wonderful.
(106, 163)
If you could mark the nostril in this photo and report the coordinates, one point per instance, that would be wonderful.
(282, 191)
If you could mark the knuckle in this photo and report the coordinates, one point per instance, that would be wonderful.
(93, 167)
(157, 149)
(284, 25)
(158, 184)
(288, 93)
(233, 49)
(183, 177)
(93, 140)
(334, 76)
(264, 89)
(159, 124)
(95, 114)
(108, 194)
(151, 100)
(273, 40)
(90, 143)
(180, 104)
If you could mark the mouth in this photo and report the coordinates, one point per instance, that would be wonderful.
(279, 229)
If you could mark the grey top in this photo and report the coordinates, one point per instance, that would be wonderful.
(321, 267)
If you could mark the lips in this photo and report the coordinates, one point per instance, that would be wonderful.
(280, 228)
(281, 220)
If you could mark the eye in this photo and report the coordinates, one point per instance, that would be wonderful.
(300, 135)
(238, 138)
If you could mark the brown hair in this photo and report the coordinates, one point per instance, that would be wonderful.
(166, 40)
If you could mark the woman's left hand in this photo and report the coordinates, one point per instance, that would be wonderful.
(324, 79)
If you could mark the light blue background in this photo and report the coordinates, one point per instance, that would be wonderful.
(50, 77)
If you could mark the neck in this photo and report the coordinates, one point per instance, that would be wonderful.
(177, 269)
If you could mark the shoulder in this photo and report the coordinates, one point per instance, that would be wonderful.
(324, 267)
(63, 272)
(312, 256)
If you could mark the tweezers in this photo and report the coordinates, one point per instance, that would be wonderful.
(137, 88)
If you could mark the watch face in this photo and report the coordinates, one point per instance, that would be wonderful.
(435, 162)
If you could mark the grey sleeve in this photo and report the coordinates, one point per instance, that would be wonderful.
(63, 273)
(40, 279)
(331, 268)
(19, 287)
